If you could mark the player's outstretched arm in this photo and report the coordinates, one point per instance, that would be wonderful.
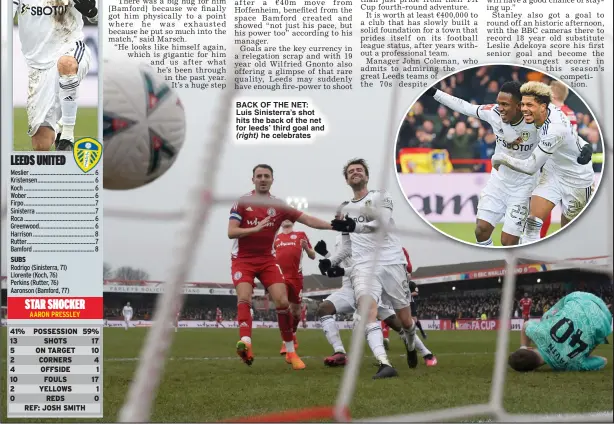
(454, 103)
(527, 166)
(594, 363)
(343, 252)
(313, 222)
(311, 254)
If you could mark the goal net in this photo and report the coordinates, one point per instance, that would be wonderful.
(138, 405)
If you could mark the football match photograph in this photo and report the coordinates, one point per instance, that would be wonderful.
(333, 222)
(499, 156)
(55, 74)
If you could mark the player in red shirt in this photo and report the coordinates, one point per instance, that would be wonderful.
(218, 317)
(559, 95)
(525, 303)
(289, 247)
(253, 226)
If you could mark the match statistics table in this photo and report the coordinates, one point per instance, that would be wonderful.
(55, 284)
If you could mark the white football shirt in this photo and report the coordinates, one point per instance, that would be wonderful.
(346, 263)
(47, 31)
(558, 138)
(127, 312)
(512, 181)
(364, 240)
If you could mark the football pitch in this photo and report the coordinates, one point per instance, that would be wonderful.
(205, 381)
(87, 126)
(466, 231)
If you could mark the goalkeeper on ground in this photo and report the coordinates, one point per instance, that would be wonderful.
(566, 336)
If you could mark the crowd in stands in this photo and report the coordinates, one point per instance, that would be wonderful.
(431, 125)
(456, 304)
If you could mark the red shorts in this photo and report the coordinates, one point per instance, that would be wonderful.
(266, 270)
(295, 289)
(525, 317)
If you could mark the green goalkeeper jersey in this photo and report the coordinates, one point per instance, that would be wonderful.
(570, 330)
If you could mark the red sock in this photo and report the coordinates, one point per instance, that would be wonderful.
(545, 226)
(385, 330)
(295, 323)
(245, 319)
(284, 319)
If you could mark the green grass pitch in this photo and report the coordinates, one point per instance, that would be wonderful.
(466, 231)
(87, 126)
(205, 381)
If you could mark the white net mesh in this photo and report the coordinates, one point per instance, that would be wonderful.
(142, 392)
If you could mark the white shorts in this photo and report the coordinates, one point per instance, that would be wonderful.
(127, 318)
(344, 302)
(389, 286)
(43, 104)
(496, 205)
(573, 200)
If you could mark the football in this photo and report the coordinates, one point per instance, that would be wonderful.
(143, 124)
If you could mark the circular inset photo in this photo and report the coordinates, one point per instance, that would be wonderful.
(499, 155)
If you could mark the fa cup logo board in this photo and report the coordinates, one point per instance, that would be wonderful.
(87, 153)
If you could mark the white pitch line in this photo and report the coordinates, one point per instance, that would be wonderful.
(270, 358)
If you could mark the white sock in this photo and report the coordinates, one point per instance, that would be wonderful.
(409, 337)
(246, 339)
(486, 243)
(421, 348)
(68, 104)
(532, 228)
(375, 339)
(332, 333)
(289, 347)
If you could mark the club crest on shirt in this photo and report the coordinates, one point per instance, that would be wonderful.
(525, 135)
(293, 236)
(271, 212)
(238, 275)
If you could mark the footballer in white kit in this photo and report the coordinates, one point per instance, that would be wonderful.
(385, 280)
(127, 314)
(51, 37)
(507, 194)
(564, 178)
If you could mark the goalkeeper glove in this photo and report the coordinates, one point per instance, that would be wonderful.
(335, 271)
(324, 265)
(346, 225)
(320, 248)
(431, 91)
(87, 8)
(586, 154)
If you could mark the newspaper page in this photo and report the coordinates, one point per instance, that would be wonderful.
(139, 134)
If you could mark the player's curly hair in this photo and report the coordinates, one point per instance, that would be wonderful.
(540, 91)
(356, 161)
(524, 360)
(512, 88)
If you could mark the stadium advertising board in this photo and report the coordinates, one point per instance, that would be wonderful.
(429, 325)
(451, 197)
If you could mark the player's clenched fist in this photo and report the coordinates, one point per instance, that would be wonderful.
(324, 265)
(320, 248)
(87, 8)
(346, 225)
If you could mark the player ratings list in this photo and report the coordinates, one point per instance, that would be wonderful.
(55, 283)
(54, 371)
